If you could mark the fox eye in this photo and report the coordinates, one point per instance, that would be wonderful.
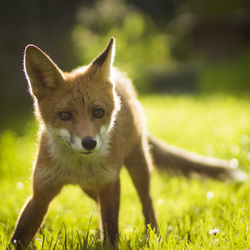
(65, 116)
(98, 113)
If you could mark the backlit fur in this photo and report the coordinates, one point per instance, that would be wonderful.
(120, 136)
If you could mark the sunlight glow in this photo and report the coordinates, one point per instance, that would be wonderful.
(160, 202)
(19, 185)
(234, 163)
(244, 139)
(210, 195)
(214, 231)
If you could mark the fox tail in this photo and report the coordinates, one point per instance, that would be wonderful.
(180, 161)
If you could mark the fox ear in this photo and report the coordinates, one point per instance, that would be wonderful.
(103, 63)
(42, 74)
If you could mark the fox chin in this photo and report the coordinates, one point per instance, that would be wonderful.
(92, 124)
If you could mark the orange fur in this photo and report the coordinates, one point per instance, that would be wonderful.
(67, 106)
(61, 160)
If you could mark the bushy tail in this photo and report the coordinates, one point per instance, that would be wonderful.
(179, 161)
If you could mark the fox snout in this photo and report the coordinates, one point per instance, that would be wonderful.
(89, 143)
(86, 145)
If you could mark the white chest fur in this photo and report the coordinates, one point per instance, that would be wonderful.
(72, 167)
(88, 171)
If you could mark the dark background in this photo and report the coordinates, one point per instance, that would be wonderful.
(165, 46)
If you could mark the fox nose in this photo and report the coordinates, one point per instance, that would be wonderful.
(89, 143)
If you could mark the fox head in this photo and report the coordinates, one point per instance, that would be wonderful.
(78, 108)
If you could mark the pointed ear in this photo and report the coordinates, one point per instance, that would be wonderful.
(43, 76)
(103, 63)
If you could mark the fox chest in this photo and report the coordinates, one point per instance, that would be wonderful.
(89, 173)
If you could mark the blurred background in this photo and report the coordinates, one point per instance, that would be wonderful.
(190, 62)
(170, 46)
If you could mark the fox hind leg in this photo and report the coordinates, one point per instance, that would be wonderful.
(138, 164)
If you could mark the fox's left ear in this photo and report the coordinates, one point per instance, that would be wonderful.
(103, 63)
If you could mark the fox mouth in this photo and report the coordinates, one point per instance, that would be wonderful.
(71, 147)
(87, 153)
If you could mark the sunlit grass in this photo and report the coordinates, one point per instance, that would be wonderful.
(187, 210)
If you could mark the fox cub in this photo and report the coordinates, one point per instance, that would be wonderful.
(91, 124)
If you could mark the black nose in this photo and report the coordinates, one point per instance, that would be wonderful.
(89, 143)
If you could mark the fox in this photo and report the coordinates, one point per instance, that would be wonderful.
(91, 125)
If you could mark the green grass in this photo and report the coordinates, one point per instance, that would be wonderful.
(212, 125)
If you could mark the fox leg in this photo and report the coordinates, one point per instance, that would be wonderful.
(138, 164)
(32, 216)
(108, 200)
(90, 193)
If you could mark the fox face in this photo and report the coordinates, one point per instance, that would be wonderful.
(78, 108)
(80, 119)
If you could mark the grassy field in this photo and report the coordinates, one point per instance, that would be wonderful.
(187, 210)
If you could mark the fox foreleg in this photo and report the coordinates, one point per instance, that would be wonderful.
(109, 202)
(32, 215)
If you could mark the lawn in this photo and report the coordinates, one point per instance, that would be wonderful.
(187, 210)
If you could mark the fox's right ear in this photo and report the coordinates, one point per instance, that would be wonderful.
(43, 76)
